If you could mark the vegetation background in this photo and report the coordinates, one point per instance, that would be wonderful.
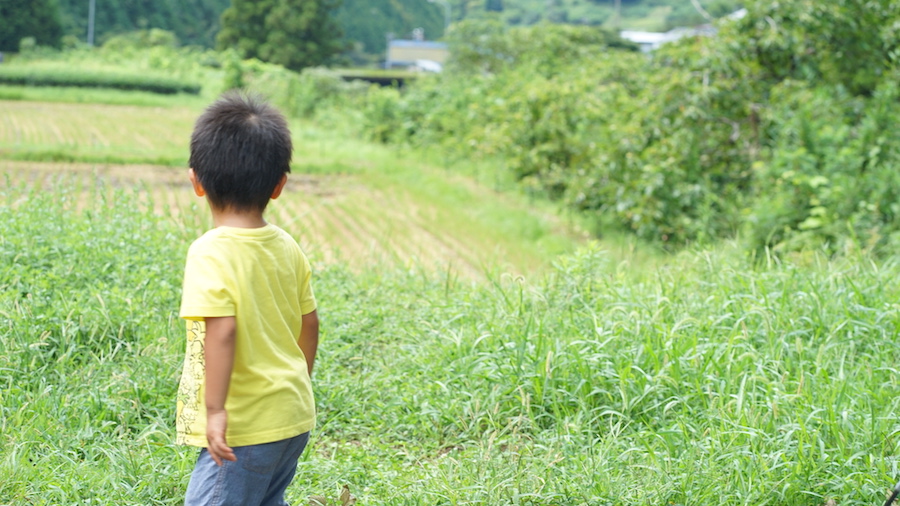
(560, 272)
(364, 24)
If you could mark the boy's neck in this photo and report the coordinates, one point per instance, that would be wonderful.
(231, 218)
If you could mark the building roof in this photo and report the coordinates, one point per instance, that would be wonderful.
(648, 37)
(418, 44)
(652, 40)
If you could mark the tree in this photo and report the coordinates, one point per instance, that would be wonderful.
(292, 33)
(194, 22)
(367, 21)
(848, 42)
(29, 18)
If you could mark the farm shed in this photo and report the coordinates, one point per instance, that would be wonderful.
(409, 53)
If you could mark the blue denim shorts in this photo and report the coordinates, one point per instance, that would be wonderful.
(259, 477)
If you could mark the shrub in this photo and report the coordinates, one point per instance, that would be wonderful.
(153, 37)
(301, 94)
(49, 76)
(831, 180)
(763, 129)
(649, 145)
(381, 118)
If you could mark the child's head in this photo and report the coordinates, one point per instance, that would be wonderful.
(240, 151)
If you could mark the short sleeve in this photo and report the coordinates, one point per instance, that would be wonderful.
(307, 296)
(205, 292)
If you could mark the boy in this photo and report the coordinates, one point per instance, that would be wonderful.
(245, 393)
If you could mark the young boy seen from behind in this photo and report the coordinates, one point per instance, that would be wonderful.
(245, 395)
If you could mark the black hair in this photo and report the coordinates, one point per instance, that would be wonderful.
(240, 150)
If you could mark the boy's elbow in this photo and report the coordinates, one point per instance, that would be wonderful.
(311, 322)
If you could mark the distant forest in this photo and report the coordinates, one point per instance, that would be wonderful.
(192, 21)
(651, 15)
(367, 23)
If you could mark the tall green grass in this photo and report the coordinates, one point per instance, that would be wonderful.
(708, 379)
(85, 346)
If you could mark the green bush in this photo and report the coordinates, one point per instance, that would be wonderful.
(381, 120)
(48, 76)
(768, 129)
(639, 143)
(831, 180)
(486, 45)
(234, 71)
(153, 37)
(301, 94)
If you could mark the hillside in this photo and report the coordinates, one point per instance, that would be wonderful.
(706, 378)
(654, 15)
(474, 348)
(366, 23)
(193, 21)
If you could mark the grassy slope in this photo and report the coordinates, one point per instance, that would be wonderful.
(703, 379)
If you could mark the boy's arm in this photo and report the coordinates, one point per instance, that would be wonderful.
(219, 356)
(309, 339)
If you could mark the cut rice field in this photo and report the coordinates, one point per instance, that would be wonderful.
(355, 204)
(94, 132)
(336, 219)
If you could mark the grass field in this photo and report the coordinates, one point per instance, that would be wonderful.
(446, 376)
(95, 132)
(346, 201)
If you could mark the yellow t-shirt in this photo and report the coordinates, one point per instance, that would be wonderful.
(262, 278)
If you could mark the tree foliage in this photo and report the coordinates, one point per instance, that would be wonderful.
(782, 128)
(365, 23)
(192, 21)
(656, 15)
(38, 19)
(852, 43)
(368, 22)
(292, 33)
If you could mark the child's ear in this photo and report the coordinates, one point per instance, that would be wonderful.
(280, 186)
(198, 188)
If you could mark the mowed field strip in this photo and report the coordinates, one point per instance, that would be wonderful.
(343, 203)
(119, 132)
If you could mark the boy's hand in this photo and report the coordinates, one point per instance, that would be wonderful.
(216, 422)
